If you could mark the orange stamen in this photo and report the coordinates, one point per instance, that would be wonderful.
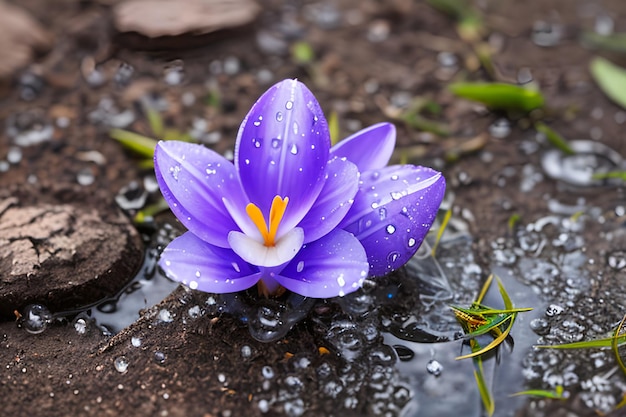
(277, 211)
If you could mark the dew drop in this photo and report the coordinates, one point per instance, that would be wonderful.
(135, 341)
(394, 177)
(391, 229)
(434, 367)
(236, 266)
(210, 171)
(393, 257)
(289, 105)
(279, 116)
(276, 142)
(300, 266)
(121, 364)
(411, 242)
(295, 128)
(193, 285)
(341, 281)
(294, 149)
(175, 170)
(36, 318)
(395, 195)
(159, 357)
(257, 123)
(382, 213)
(165, 316)
(80, 326)
(246, 351)
(268, 372)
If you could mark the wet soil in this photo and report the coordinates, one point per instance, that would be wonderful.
(371, 57)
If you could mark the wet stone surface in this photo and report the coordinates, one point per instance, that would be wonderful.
(62, 255)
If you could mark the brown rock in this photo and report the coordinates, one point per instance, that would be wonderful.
(156, 18)
(63, 255)
(21, 36)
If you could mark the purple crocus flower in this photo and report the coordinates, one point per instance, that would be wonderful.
(291, 211)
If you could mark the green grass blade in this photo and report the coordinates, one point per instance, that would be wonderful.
(508, 304)
(610, 78)
(539, 393)
(494, 343)
(500, 96)
(484, 289)
(142, 145)
(442, 228)
(554, 138)
(606, 342)
(333, 128)
(615, 42)
(155, 120)
(483, 389)
(615, 345)
(608, 175)
(150, 211)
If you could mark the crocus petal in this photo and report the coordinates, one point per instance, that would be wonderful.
(193, 180)
(369, 148)
(334, 201)
(392, 213)
(282, 149)
(256, 253)
(206, 267)
(332, 266)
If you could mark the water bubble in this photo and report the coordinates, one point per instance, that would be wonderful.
(35, 318)
(294, 408)
(267, 372)
(165, 316)
(404, 353)
(546, 34)
(246, 351)
(540, 326)
(159, 357)
(500, 129)
(121, 364)
(14, 155)
(554, 310)
(434, 367)
(135, 341)
(616, 259)
(85, 177)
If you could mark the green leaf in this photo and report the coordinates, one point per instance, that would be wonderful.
(615, 42)
(142, 145)
(483, 389)
(615, 345)
(611, 174)
(442, 228)
(155, 120)
(333, 128)
(610, 78)
(554, 138)
(606, 342)
(557, 394)
(150, 211)
(302, 53)
(500, 96)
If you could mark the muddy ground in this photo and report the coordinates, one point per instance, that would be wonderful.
(83, 73)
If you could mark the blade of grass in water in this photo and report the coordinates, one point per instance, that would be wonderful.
(610, 78)
(615, 345)
(142, 145)
(606, 342)
(500, 96)
(554, 138)
(557, 394)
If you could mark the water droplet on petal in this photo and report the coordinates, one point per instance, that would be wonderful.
(289, 105)
(279, 116)
(393, 257)
(300, 266)
(295, 128)
(394, 177)
(276, 142)
(341, 281)
(175, 170)
(391, 229)
(294, 149)
(412, 242)
(236, 266)
(257, 123)
(193, 285)
(395, 195)
(382, 213)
